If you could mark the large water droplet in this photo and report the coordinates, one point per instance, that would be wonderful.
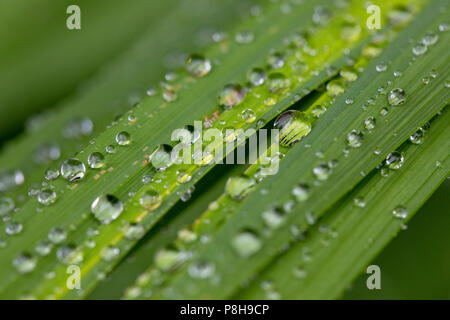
(106, 208)
(73, 170)
(293, 125)
(396, 97)
(198, 66)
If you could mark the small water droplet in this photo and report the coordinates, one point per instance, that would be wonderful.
(395, 160)
(134, 231)
(51, 174)
(231, 95)
(10, 179)
(123, 138)
(106, 208)
(400, 212)
(201, 270)
(322, 171)
(46, 196)
(110, 253)
(369, 123)
(238, 187)
(25, 263)
(273, 218)
(430, 38)
(57, 235)
(73, 170)
(419, 49)
(96, 160)
(277, 82)
(246, 244)
(418, 136)
(256, 77)
(396, 97)
(275, 60)
(43, 248)
(78, 128)
(293, 126)
(6, 205)
(13, 227)
(359, 202)
(150, 200)
(69, 254)
(381, 67)
(198, 66)
(301, 192)
(354, 138)
(161, 157)
(244, 37)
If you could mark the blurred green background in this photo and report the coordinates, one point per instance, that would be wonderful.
(42, 63)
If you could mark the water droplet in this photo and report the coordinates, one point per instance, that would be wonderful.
(169, 95)
(10, 179)
(51, 174)
(161, 157)
(110, 253)
(46, 153)
(244, 37)
(400, 212)
(293, 126)
(201, 270)
(231, 95)
(185, 197)
(69, 254)
(430, 38)
(110, 149)
(354, 138)
(57, 235)
(322, 171)
(43, 248)
(396, 97)
(238, 187)
(73, 170)
(150, 200)
(96, 160)
(299, 272)
(198, 66)
(369, 123)
(381, 67)
(13, 227)
(301, 192)
(419, 49)
(134, 231)
(106, 208)
(273, 218)
(395, 160)
(78, 128)
(25, 263)
(123, 138)
(275, 60)
(335, 87)
(47, 196)
(418, 136)
(256, 77)
(277, 82)
(6, 205)
(444, 27)
(248, 115)
(246, 244)
(359, 202)
(184, 177)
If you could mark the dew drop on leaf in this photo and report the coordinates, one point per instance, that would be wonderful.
(396, 97)
(106, 208)
(73, 170)
(293, 126)
(198, 66)
(150, 200)
(96, 160)
(246, 244)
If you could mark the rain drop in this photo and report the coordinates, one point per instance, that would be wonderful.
(73, 170)
(106, 208)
